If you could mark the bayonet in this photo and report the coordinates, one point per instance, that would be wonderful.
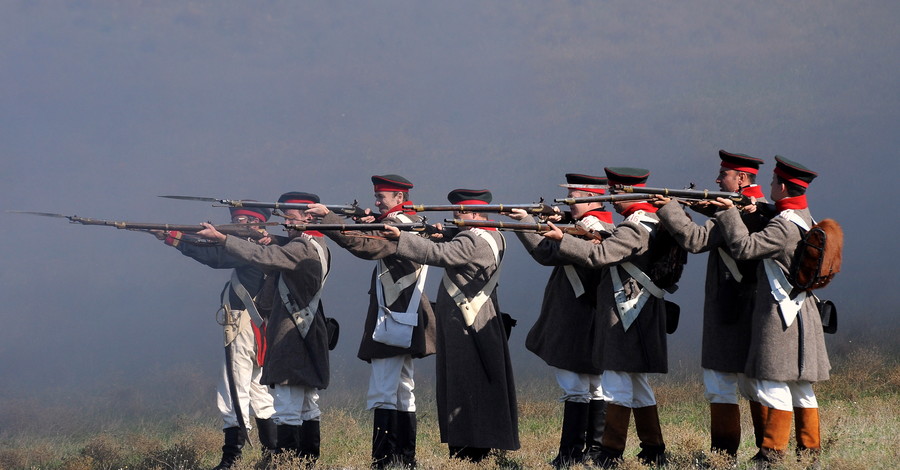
(239, 230)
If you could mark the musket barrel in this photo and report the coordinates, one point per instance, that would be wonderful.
(538, 208)
(605, 198)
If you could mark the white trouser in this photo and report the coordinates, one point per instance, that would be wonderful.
(254, 398)
(578, 388)
(391, 384)
(295, 404)
(786, 396)
(631, 389)
(725, 387)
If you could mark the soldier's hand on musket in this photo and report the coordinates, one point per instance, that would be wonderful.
(750, 208)
(159, 234)
(554, 233)
(265, 240)
(659, 200)
(517, 214)
(210, 233)
(367, 219)
(390, 232)
(318, 210)
(722, 202)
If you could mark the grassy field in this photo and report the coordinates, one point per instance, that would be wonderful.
(860, 415)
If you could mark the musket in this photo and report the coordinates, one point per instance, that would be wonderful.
(410, 227)
(605, 198)
(575, 230)
(239, 230)
(739, 199)
(536, 208)
(350, 210)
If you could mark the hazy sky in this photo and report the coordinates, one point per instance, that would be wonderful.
(106, 105)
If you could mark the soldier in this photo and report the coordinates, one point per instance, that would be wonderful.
(567, 332)
(248, 346)
(476, 396)
(787, 350)
(728, 306)
(633, 332)
(296, 363)
(396, 291)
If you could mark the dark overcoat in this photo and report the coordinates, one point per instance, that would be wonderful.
(778, 352)
(291, 359)
(567, 332)
(728, 303)
(423, 338)
(642, 348)
(476, 395)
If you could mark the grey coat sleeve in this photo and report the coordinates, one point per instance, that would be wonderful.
(767, 243)
(627, 241)
(692, 237)
(462, 250)
(283, 258)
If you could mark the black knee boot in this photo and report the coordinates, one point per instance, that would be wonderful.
(595, 425)
(384, 437)
(231, 451)
(406, 439)
(310, 440)
(572, 437)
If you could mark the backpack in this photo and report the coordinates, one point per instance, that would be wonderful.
(667, 260)
(818, 256)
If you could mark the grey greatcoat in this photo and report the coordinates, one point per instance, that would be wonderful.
(728, 304)
(291, 359)
(567, 332)
(423, 337)
(476, 395)
(777, 352)
(641, 349)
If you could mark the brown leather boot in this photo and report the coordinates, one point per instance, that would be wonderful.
(615, 434)
(758, 414)
(806, 424)
(775, 437)
(725, 427)
(646, 423)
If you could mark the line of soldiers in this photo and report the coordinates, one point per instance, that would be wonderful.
(602, 325)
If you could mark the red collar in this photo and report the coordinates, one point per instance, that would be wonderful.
(639, 206)
(754, 190)
(602, 216)
(402, 207)
(796, 202)
(314, 233)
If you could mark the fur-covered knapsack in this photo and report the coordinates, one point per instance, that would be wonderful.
(667, 260)
(818, 256)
